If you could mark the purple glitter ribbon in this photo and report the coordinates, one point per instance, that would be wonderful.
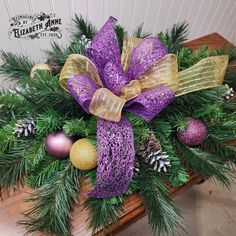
(115, 140)
(116, 158)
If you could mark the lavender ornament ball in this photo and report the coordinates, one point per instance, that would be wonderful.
(194, 135)
(58, 145)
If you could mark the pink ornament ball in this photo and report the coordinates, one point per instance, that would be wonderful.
(58, 145)
(195, 134)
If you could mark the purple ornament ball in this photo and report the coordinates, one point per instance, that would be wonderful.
(58, 145)
(195, 134)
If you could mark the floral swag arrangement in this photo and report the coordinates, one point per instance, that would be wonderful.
(149, 108)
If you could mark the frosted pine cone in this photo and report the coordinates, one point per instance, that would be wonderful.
(229, 94)
(150, 149)
(25, 127)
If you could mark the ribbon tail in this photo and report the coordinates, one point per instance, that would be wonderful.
(207, 73)
(116, 155)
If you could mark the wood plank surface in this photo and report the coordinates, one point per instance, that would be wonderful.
(12, 206)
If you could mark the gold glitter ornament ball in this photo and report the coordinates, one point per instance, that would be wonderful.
(83, 154)
(39, 67)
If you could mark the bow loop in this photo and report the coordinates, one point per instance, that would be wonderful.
(104, 47)
(144, 54)
(114, 77)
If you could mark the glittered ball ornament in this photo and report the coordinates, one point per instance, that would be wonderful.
(83, 154)
(58, 145)
(195, 133)
(39, 67)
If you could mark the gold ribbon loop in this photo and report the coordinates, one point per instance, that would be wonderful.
(106, 105)
(131, 90)
(77, 64)
(163, 72)
(129, 43)
(207, 73)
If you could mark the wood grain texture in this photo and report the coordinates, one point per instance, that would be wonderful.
(11, 207)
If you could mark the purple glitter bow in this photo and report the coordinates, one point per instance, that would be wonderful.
(115, 139)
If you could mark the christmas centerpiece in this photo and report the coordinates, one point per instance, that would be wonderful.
(124, 113)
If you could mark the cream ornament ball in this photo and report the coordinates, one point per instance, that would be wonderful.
(39, 67)
(83, 154)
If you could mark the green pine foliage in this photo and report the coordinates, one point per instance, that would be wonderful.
(81, 127)
(103, 212)
(57, 182)
(163, 216)
(82, 27)
(174, 39)
(206, 164)
(53, 202)
(139, 33)
(14, 166)
(120, 33)
(15, 66)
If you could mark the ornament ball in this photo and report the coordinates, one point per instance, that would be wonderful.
(83, 154)
(195, 134)
(58, 145)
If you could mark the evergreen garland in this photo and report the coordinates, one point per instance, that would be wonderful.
(57, 182)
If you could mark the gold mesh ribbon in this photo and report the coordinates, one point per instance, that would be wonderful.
(129, 43)
(106, 105)
(39, 67)
(207, 73)
(77, 64)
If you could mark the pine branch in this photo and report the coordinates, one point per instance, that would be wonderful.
(210, 112)
(163, 216)
(206, 164)
(48, 121)
(177, 175)
(11, 104)
(14, 166)
(81, 127)
(7, 138)
(138, 33)
(53, 202)
(230, 104)
(186, 105)
(140, 128)
(56, 55)
(15, 66)
(103, 212)
(224, 129)
(174, 39)
(44, 91)
(120, 33)
(43, 171)
(36, 152)
(231, 52)
(221, 149)
(82, 27)
(230, 77)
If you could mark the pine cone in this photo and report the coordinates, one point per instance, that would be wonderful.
(229, 94)
(136, 167)
(55, 69)
(150, 149)
(25, 127)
